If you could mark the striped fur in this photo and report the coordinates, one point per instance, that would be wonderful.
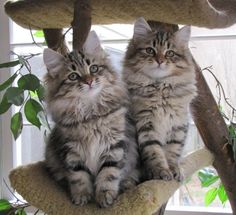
(92, 146)
(159, 73)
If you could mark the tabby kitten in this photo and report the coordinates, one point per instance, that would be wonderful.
(92, 146)
(159, 73)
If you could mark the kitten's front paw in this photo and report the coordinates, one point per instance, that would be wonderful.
(157, 173)
(177, 173)
(105, 198)
(81, 198)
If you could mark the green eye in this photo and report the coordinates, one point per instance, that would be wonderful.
(170, 53)
(73, 76)
(93, 68)
(150, 51)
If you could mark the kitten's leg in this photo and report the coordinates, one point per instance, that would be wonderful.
(81, 187)
(155, 163)
(151, 149)
(174, 148)
(109, 176)
(79, 178)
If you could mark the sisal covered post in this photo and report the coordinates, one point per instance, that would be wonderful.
(81, 23)
(214, 133)
(55, 40)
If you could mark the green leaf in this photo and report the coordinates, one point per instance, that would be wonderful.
(4, 205)
(210, 196)
(232, 131)
(16, 125)
(29, 82)
(4, 105)
(20, 211)
(33, 94)
(41, 92)
(222, 194)
(15, 96)
(42, 118)
(207, 177)
(8, 82)
(32, 108)
(39, 34)
(9, 64)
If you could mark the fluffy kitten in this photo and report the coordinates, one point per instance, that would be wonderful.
(92, 146)
(159, 73)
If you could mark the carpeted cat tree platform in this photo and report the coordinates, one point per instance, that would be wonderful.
(32, 181)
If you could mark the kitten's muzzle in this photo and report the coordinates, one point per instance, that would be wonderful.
(159, 59)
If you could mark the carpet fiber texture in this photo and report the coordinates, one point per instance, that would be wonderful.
(36, 187)
(39, 14)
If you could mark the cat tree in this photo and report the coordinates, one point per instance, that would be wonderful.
(32, 181)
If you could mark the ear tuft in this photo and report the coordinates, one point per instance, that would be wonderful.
(141, 28)
(182, 36)
(53, 61)
(92, 44)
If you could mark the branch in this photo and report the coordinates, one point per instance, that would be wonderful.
(221, 89)
(81, 23)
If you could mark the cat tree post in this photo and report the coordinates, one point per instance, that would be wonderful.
(55, 40)
(81, 23)
(214, 133)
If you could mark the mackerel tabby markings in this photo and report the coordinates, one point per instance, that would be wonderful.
(92, 146)
(159, 73)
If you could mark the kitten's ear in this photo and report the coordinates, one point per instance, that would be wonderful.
(53, 61)
(92, 44)
(141, 28)
(182, 36)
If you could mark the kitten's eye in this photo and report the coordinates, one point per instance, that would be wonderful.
(150, 51)
(93, 68)
(170, 53)
(73, 76)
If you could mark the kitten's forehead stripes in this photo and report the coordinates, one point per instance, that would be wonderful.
(77, 59)
(162, 38)
(87, 61)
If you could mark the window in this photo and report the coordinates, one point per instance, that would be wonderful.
(210, 47)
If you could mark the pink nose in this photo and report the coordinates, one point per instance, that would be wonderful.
(159, 60)
(89, 82)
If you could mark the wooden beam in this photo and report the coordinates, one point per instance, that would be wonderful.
(55, 40)
(81, 23)
(214, 133)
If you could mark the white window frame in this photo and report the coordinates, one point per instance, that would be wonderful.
(6, 141)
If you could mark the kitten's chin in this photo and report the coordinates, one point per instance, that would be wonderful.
(91, 91)
(156, 72)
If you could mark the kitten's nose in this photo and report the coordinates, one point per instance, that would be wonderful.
(159, 59)
(89, 82)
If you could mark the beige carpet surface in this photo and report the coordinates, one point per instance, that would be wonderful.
(35, 185)
(39, 14)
